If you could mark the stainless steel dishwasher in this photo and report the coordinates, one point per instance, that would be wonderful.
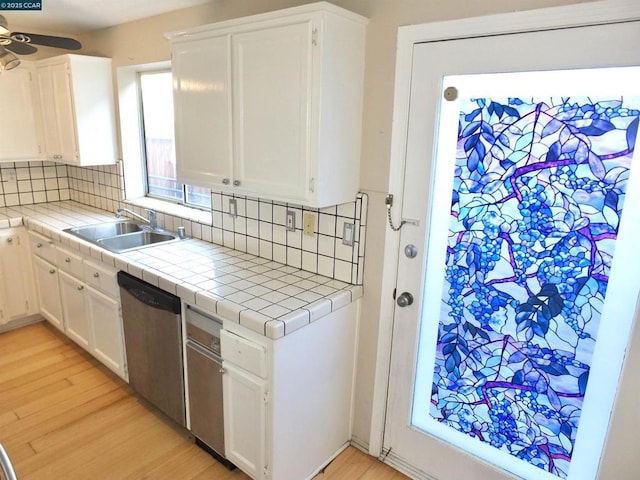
(153, 342)
(204, 372)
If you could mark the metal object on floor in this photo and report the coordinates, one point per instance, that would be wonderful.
(5, 465)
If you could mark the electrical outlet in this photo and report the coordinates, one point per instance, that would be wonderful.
(309, 224)
(233, 207)
(348, 230)
(291, 220)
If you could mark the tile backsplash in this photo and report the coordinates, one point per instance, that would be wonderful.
(259, 226)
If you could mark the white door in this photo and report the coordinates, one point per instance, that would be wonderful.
(516, 184)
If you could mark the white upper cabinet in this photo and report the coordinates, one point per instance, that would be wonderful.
(21, 137)
(77, 109)
(271, 105)
(201, 74)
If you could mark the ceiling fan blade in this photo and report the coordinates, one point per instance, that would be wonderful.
(50, 41)
(21, 48)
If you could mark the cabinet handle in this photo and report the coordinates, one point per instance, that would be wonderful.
(57, 156)
(9, 240)
(225, 181)
(80, 287)
(236, 183)
(39, 245)
(96, 275)
(68, 260)
(52, 271)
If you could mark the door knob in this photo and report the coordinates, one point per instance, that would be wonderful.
(404, 299)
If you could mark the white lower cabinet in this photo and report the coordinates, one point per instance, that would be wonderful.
(288, 402)
(17, 292)
(245, 415)
(72, 293)
(46, 275)
(107, 338)
(80, 297)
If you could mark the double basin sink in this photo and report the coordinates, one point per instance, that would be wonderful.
(122, 236)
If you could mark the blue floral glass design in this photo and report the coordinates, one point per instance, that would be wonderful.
(539, 188)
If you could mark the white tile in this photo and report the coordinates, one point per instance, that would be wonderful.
(186, 293)
(326, 246)
(239, 297)
(308, 297)
(294, 257)
(279, 253)
(274, 329)
(356, 292)
(293, 303)
(229, 310)
(291, 290)
(151, 277)
(327, 224)
(257, 303)
(318, 309)
(167, 285)
(275, 311)
(343, 271)
(295, 320)
(254, 321)
(207, 301)
(340, 299)
(323, 290)
(274, 297)
(266, 211)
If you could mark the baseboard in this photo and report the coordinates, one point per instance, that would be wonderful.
(22, 322)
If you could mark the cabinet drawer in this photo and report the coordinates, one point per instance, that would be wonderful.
(244, 353)
(43, 247)
(70, 262)
(101, 277)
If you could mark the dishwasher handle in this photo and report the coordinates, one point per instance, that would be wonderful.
(149, 294)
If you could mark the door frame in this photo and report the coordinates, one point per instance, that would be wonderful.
(594, 13)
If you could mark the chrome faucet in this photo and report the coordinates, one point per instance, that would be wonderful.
(152, 220)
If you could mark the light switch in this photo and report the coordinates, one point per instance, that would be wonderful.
(309, 224)
(291, 220)
(348, 233)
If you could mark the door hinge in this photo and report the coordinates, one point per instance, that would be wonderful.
(314, 37)
(265, 397)
(265, 472)
(312, 184)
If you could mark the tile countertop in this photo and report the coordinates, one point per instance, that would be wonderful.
(267, 297)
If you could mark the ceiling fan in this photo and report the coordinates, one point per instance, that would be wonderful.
(22, 44)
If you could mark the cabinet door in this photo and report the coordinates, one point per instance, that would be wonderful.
(74, 309)
(19, 135)
(48, 291)
(107, 341)
(245, 420)
(202, 105)
(57, 112)
(272, 117)
(16, 288)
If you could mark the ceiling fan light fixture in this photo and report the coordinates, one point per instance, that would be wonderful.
(4, 26)
(7, 59)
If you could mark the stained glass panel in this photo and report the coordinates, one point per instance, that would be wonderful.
(539, 186)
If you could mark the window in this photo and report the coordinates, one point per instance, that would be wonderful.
(159, 143)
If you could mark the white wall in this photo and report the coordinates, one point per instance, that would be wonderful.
(143, 42)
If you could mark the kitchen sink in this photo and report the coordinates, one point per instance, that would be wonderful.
(129, 241)
(102, 230)
(121, 236)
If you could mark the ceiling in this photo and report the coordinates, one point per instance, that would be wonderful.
(80, 16)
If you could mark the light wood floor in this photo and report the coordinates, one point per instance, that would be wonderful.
(65, 416)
